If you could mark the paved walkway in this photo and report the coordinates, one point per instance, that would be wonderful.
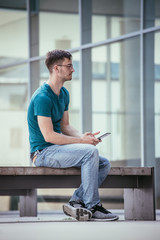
(44, 216)
(55, 225)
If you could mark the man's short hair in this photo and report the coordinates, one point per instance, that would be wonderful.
(56, 57)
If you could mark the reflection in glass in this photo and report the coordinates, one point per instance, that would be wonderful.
(151, 13)
(58, 30)
(75, 93)
(13, 105)
(14, 39)
(116, 98)
(114, 18)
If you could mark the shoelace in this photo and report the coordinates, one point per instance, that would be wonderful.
(99, 208)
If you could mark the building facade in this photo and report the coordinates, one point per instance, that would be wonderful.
(115, 88)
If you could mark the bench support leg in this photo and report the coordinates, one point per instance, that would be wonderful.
(139, 203)
(28, 204)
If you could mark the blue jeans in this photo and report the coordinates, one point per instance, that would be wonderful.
(94, 169)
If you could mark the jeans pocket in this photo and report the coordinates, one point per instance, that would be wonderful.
(38, 161)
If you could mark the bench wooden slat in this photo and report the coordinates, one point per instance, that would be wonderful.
(139, 171)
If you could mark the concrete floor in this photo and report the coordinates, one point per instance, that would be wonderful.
(55, 225)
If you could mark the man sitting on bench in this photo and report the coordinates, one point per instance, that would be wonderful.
(55, 143)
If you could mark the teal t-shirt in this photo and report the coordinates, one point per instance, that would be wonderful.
(45, 102)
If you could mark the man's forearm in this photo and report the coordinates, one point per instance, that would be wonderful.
(71, 131)
(61, 139)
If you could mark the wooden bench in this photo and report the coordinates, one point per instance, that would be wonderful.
(138, 184)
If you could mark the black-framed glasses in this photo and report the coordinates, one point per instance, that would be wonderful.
(67, 65)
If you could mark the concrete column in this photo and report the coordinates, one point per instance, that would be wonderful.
(33, 32)
(86, 65)
(148, 96)
(148, 110)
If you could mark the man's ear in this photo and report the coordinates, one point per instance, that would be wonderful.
(55, 68)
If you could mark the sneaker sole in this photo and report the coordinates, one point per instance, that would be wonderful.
(81, 214)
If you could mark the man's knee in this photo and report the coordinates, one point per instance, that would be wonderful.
(92, 150)
(91, 154)
(104, 163)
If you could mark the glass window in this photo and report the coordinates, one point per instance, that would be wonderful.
(14, 39)
(59, 25)
(14, 145)
(113, 18)
(151, 13)
(113, 98)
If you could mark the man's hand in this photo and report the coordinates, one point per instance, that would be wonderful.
(90, 138)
